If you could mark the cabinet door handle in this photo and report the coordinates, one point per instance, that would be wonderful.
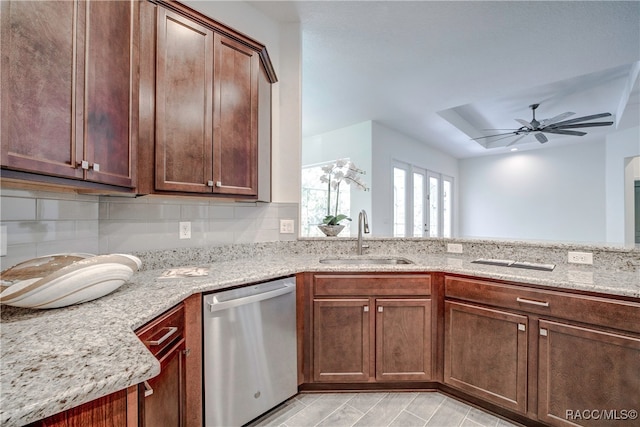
(532, 302)
(366, 308)
(543, 332)
(218, 183)
(522, 327)
(96, 167)
(148, 391)
(171, 330)
(84, 164)
(380, 309)
(209, 183)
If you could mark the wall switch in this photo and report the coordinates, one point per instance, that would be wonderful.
(287, 226)
(3, 240)
(454, 248)
(581, 257)
(185, 230)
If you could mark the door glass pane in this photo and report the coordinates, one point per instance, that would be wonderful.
(399, 202)
(418, 204)
(446, 207)
(434, 199)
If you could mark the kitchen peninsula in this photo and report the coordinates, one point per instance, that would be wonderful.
(53, 360)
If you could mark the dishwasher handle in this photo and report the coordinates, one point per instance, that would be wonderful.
(286, 288)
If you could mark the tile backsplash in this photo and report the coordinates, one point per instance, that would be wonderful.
(40, 223)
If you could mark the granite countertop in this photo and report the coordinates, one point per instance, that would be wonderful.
(53, 360)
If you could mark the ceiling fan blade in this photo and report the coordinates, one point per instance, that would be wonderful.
(579, 125)
(499, 134)
(524, 123)
(515, 140)
(564, 132)
(541, 138)
(582, 119)
(547, 122)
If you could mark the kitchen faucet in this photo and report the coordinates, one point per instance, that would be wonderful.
(362, 221)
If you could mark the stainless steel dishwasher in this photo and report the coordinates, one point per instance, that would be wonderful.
(250, 359)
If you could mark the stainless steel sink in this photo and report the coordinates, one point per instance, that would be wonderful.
(360, 261)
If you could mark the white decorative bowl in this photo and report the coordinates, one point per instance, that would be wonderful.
(77, 280)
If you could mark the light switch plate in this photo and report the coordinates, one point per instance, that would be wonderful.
(287, 226)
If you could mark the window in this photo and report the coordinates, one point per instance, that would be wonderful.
(422, 202)
(399, 202)
(313, 204)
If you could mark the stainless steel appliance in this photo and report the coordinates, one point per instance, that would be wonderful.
(250, 359)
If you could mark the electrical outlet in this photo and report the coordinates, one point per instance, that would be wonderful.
(287, 226)
(185, 230)
(454, 248)
(581, 257)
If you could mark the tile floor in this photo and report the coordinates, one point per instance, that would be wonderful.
(369, 409)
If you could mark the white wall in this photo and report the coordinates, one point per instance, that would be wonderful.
(389, 145)
(284, 45)
(621, 147)
(555, 194)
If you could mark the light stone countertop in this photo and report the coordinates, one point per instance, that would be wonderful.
(53, 360)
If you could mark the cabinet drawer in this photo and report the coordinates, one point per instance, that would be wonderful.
(606, 312)
(371, 284)
(160, 333)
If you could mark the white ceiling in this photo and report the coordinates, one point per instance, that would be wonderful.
(441, 71)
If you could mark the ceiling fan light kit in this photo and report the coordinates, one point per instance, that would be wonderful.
(555, 125)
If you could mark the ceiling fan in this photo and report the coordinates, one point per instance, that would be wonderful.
(557, 125)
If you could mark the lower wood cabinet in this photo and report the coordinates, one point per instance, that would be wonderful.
(587, 376)
(115, 410)
(486, 354)
(371, 328)
(558, 358)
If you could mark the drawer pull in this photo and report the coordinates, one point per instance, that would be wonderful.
(532, 302)
(148, 391)
(171, 330)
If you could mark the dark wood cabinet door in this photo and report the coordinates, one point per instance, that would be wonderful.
(111, 82)
(587, 377)
(42, 59)
(235, 110)
(184, 93)
(114, 410)
(341, 338)
(486, 354)
(165, 405)
(403, 339)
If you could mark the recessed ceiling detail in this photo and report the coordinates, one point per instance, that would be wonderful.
(498, 123)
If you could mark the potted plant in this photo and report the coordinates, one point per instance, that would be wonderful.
(334, 174)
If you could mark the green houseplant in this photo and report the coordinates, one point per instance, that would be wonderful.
(335, 174)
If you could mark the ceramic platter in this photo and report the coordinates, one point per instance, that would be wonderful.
(60, 280)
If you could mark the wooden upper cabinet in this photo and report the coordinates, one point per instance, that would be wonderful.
(184, 93)
(69, 79)
(208, 84)
(111, 91)
(41, 45)
(236, 70)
